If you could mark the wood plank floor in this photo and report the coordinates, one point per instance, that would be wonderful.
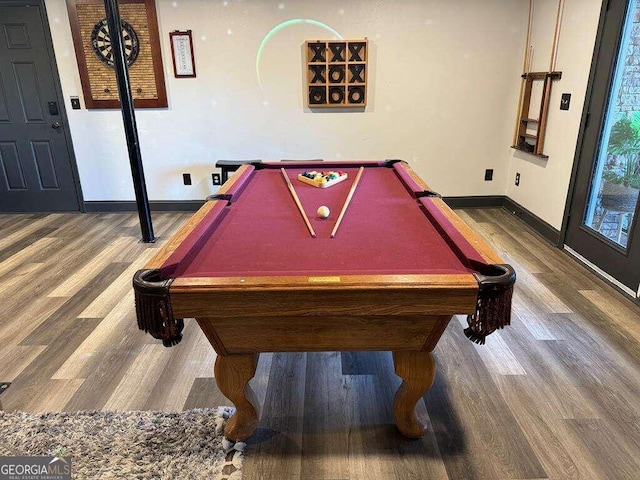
(556, 395)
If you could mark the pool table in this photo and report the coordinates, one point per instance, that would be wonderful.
(246, 267)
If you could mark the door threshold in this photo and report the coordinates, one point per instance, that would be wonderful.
(602, 274)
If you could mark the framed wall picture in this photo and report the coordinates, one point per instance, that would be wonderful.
(92, 42)
(184, 65)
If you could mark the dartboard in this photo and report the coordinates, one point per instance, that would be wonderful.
(101, 42)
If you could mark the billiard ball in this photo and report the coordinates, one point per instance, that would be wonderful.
(323, 212)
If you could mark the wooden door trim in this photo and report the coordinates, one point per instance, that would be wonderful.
(61, 103)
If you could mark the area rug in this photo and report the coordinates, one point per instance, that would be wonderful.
(145, 445)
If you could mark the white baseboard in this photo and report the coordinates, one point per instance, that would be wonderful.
(602, 273)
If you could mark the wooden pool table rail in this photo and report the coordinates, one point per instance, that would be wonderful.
(195, 298)
(185, 230)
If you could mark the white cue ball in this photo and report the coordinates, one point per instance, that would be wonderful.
(323, 212)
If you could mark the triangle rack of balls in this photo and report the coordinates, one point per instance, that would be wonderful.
(322, 179)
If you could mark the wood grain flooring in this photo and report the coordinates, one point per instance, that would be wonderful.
(556, 395)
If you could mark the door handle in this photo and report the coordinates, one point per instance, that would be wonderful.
(56, 125)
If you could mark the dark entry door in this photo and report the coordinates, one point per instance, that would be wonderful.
(604, 218)
(36, 173)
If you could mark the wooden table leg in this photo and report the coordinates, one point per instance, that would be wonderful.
(233, 373)
(417, 370)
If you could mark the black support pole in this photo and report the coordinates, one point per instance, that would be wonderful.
(129, 119)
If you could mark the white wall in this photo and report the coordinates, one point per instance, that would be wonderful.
(544, 183)
(443, 73)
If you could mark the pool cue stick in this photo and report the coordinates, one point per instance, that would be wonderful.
(544, 112)
(526, 66)
(297, 200)
(347, 201)
(556, 34)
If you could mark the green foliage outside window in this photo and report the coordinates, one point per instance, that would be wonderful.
(623, 165)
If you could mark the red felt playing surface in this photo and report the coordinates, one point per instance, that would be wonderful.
(385, 231)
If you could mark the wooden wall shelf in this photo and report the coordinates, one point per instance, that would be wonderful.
(539, 155)
(522, 139)
(535, 145)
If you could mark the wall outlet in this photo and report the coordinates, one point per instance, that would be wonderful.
(488, 174)
(517, 179)
(565, 101)
(75, 103)
(186, 178)
(215, 178)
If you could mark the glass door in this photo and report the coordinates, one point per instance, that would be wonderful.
(603, 218)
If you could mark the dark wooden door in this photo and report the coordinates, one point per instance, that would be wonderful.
(604, 224)
(36, 172)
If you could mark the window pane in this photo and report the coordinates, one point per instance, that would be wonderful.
(615, 185)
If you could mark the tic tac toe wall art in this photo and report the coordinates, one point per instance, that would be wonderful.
(336, 73)
(92, 41)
